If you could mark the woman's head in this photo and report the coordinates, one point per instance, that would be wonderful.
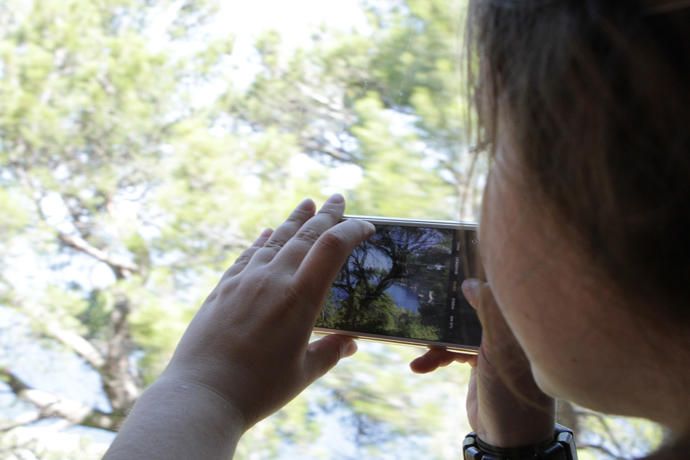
(586, 108)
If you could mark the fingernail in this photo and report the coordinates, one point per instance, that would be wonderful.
(370, 228)
(348, 349)
(470, 287)
(306, 203)
(266, 232)
(336, 198)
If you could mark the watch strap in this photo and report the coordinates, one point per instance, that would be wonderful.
(560, 447)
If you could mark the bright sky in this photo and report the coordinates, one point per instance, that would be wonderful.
(295, 19)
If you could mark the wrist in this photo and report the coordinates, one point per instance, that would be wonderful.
(519, 424)
(177, 419)
(515, 420)
(201, 398)
(512, 409)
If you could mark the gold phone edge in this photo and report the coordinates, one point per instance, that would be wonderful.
(425, 344)
(452, 224)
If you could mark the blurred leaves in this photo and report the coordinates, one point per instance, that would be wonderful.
(130, 129)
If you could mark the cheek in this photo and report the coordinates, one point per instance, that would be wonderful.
(546, 300)
(507, 254)
(525, 281)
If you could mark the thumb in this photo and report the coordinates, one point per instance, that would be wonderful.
(471, 288)
(500, 354)
(325, 353)
(480, 297)
(496, 333)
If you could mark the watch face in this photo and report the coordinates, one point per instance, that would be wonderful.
(561, 448)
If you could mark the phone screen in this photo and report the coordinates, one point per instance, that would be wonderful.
(404, 284)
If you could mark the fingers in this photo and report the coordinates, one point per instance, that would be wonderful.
(499, 345)
(325, 258)
(246, 256)
(303, 212)
(438, 357)
(291, 256)
(473, 289)
(325, 353)
(478, 294)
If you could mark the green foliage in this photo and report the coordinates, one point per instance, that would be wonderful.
(394, 160)
(135, 166)
(14, 217)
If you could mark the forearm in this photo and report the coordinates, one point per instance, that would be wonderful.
(174, 420)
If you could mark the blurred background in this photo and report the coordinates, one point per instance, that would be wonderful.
(144, 144)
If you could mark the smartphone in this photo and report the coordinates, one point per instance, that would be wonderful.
(402, 285)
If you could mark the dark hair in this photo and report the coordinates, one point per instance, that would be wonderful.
(597, 97)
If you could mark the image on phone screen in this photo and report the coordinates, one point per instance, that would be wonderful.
(403, 285)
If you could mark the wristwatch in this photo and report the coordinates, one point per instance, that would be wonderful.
(561, 447)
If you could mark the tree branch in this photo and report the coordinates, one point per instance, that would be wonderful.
(314, 147)
(119, 383)
(21, 421)
(120, 266)
(604, 424)
(50, 405)
(17, 449)
(603, 449)
(76, 343)
(51, 328)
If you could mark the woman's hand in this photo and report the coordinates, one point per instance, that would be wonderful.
(246, 352)
(249, 341)
(504, 405)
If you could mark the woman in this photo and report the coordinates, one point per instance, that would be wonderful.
(584, 228)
